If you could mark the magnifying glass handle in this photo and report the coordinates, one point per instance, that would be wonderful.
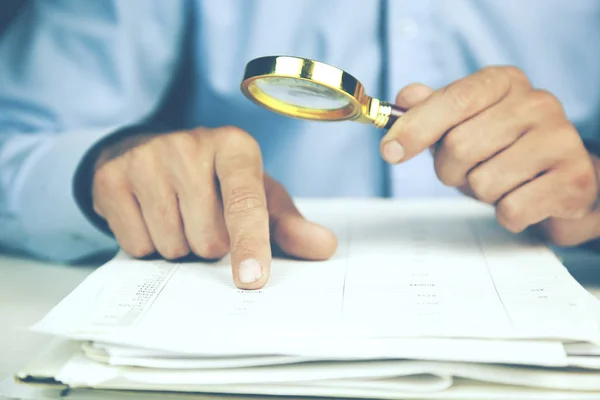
(395, 113)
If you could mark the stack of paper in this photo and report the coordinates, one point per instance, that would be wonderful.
(428, 300)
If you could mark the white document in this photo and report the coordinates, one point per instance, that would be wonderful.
(411, 380)
(462, 389)
(547, 353)
(399, 272)
(78, 373)
(411, 291)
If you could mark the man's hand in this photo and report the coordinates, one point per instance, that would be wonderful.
(202, 191)
(498, 139)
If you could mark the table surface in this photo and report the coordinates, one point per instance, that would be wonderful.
(29, 289)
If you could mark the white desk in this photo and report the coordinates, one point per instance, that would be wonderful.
(29, 289)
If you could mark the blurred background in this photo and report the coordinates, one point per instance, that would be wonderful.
(8, 9)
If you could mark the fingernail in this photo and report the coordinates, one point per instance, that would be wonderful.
(250, 271)
(393, 152)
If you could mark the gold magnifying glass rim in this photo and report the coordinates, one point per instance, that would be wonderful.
(308, 70)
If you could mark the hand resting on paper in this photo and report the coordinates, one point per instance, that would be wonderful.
(203, 192)
(501, 141)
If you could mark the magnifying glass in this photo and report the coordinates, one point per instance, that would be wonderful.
(308, 89)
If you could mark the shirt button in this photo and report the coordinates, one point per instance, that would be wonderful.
(408, 28)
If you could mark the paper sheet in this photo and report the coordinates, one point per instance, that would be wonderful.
(172, 361)
(80, 371)
(582, 349)
(588, 362)
(547, 353)
(413, 272)
(461, 390)
(429, 284)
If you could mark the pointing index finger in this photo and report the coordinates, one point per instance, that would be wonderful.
(238, 166)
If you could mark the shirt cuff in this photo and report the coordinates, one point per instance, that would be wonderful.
(55, 225)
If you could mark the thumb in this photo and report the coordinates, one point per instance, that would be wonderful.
(291, 232)
(409, 97)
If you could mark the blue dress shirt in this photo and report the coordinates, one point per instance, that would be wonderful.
(72, 72)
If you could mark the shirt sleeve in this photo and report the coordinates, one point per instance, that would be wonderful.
(73, 72)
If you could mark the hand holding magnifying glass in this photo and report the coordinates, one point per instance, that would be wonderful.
(494, 136)
(307, 89)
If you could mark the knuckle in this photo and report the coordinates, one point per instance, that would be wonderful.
(510, 226)
(463, 95)
(494, 74)
(244, 200)
(456, 145)
(212, 248)
(141, 158)
(584, 180)
(185, 142)
(470, 94)
(195, 133)
(175, 251)
(108, 178)
(444, 173)
(238, 136)
(511, 212)
(447, 179)
(139, 249)
(243, 167)
(480, 181)
(542, 101)
(515, 73)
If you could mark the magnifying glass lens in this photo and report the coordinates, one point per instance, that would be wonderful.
(311, 90)
(302, 93)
